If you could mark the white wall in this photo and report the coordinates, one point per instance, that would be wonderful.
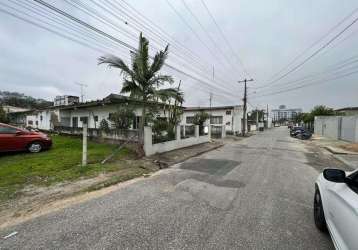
(337, 127)
(151, 149)
(234, 119)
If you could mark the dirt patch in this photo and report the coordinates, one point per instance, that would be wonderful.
(319, 158)
(350, 147)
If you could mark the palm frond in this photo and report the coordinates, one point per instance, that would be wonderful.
(115, 62)
(161, 79)
(159, 60)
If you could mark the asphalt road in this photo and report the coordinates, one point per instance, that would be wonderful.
(253, 194)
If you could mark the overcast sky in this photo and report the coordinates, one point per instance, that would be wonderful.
(265, 35)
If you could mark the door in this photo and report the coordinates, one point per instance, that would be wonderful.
(343, 213)
(8, 139)
(74, 122)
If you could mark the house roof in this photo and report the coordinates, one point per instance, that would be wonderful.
(209, 108)
(110, 99)
(348, 109)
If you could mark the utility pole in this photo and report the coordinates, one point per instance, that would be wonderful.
(81, 85)
(245, 104)
(267, 115)
(257, 119)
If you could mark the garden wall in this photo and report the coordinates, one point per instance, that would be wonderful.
(151, 149)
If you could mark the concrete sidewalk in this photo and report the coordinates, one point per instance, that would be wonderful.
(336, 148)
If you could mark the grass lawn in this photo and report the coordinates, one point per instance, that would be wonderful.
(60, 163)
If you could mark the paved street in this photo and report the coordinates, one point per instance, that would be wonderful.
(252, 194)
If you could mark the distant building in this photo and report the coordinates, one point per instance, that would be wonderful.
(348, 110)
(285, 114)
(66, 100)
(13, 109)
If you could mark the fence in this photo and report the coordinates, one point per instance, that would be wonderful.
(179, 142)
(337, 127)
(112, 134)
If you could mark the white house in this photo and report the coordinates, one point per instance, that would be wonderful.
(229, 117)
(74, 115)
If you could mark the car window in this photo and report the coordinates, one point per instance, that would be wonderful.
(354, 184)
(7, 130)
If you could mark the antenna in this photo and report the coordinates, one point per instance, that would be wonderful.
(81, 85)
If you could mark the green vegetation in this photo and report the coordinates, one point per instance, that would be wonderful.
(20, 100)
(59, 164)
(142, 78)
(3, 116)
(199, 119)
(316, 111)
(122, 118)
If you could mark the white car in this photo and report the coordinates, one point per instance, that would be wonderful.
(336, 206)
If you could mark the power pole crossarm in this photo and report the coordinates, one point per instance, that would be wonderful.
(243, 129)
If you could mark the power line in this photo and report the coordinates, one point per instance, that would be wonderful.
(207, 34)
(316, 52)
(308, 84)
(128, 24)
(328, 70)
(316, 42)
(117, 40)
(58, 33)
(225, 39)
(192, 29)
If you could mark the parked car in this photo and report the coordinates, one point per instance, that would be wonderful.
(302, 134)
(16, 139)
(336, 206)
(293, 130)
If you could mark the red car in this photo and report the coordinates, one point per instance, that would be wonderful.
(16, 139)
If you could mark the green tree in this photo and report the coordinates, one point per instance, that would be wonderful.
(261, 114)
(122, 118)
(199, 119)
(142, 79)
(319, 110)
(104, 126)
(3, 116)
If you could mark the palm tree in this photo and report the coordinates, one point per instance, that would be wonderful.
(142, 80)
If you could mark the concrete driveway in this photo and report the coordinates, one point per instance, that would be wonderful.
(253, 194)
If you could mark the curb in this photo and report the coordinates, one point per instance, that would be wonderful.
(197, 154)
(349, 164)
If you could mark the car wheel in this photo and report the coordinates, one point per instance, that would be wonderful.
(35, 147)
(319, 218)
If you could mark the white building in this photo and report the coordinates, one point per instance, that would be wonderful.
(229, 117)
(66, 100)
(283, 113)
(75, 115)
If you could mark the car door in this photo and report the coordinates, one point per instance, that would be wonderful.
(343, 212)
(8, 140)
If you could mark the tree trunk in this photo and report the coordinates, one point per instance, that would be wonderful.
(141, 126)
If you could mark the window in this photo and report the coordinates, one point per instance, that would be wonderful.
(84, 119)
(189, 119)
(75, 122)
(110, 115)
(95, 118)
(136, 121)
(7, 130)
(41, 118)
(228, 112)
(354, 184)
(216, 120)
(30, 122)
(37, 123)
(228, 123)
